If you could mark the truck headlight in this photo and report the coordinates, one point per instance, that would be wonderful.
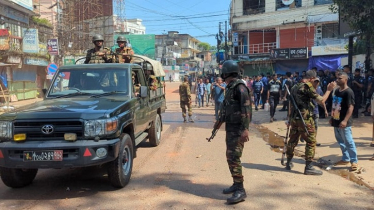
(93, 128)
(6, 129)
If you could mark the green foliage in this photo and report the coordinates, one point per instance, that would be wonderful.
(204, 46)
(41, 21)
(213, 48)
(359, 14)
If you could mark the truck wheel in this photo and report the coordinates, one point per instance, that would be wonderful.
(155, 132)
(119, 170)
(16, 178)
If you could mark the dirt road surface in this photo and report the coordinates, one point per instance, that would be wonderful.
(187, 172)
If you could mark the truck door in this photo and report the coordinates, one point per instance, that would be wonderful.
(142, 104)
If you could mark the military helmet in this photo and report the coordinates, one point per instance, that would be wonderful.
(97, 37)
(230, 67)
(121, 39)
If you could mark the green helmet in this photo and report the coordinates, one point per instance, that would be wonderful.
(121, 39)
(97, 37)
(230, 67)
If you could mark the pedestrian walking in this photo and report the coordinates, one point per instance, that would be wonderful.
(341, 120)
(303, 93)
(185, 99)
(274, 94)
(200, 92)
(169, 78)
(218, 92)
(287, 81)
(258, 88)
(237, 109)
(208, 87)
(264, 95)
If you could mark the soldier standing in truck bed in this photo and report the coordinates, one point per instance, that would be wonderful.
(124, 53)
(96, 54)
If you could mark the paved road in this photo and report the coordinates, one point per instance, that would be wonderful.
(187, 172)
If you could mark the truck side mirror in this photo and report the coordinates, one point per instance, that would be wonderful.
(143, 91)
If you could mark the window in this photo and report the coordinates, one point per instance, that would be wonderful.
(288, 4)
(319, 2)
(251, 7)
(330, 30)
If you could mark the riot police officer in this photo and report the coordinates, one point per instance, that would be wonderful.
(96, 54)
(237, 109)
(123, 53)
(357, 86)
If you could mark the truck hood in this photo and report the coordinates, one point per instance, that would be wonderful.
(68, 108)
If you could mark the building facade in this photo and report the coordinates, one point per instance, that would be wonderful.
(280, 35)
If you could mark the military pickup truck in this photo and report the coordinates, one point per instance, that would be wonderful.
(92, 114)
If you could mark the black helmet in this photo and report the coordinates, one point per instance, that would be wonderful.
(230, 67)
(121, 39)
(97, 37)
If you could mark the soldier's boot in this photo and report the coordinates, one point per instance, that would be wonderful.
(190, 119)
(310, 170)
(289, 164)
(233, 188)
(238, 196)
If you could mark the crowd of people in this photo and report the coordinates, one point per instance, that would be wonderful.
(317, 94)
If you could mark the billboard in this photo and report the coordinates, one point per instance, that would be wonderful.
(4, 39)
(142, 44)
(24, 3)
(30, 41)
(52, 46)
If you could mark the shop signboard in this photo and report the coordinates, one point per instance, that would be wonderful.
(30, 40)
(298, 53)
(280, 53)
(235, 37)
(24, 3)
(52, 46)
(4, 39)
(69, 61)
(35, 61)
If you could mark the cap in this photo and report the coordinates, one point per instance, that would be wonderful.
(317, 79)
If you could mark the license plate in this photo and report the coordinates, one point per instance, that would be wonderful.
(47, 155)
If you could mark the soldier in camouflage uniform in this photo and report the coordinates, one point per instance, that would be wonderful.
(123, 53)
(236, 112)
(96, 54)
(303, 94)
(185, 99)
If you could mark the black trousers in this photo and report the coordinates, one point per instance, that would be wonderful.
(358, 101)
(273, 101)
(264, 97)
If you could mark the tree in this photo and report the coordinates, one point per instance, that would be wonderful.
(359, 14)
(213, 48)
(204, 46)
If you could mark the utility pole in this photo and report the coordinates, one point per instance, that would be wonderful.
(226, 47)
(218, 37)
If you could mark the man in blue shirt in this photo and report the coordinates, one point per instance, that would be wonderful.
(218, 90)
(258, 88)
(264, 94)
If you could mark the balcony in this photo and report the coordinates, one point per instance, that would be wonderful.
(262, 48)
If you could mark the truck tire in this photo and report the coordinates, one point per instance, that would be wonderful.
(155, 132)
(119, 170)
(16, 178)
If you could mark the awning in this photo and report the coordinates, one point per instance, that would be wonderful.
(323, 18)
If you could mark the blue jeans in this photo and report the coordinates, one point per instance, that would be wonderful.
(201, 100)
(346, 143)
(217, 107)
(257, 97)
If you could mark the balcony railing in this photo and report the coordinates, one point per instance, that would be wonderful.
(254, 48)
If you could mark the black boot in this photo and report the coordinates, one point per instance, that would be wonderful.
(289, 164)
(238, 196)
(233, 188)
(310, 170)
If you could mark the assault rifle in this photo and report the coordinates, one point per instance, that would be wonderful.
(296, 109)
(218, 124)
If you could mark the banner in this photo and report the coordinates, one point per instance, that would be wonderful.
(69, 61)
(142, 44)
(301, 53)
(280, 53)
(4, 39)
(289, 53)
(52, 46)
(30, 40)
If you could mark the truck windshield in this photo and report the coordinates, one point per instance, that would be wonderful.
(89, 82)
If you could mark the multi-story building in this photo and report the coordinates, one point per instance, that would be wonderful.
(284, 35)
(178, 51)
(23, 53)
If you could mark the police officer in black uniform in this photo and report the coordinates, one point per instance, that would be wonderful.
(357, 87)
(236, 111)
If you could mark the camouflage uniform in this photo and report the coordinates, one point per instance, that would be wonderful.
(120, 58)
(94, 57)
(185, 98)
(303, 93)
(237, 109)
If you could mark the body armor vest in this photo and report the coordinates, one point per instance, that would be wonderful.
(231, 106)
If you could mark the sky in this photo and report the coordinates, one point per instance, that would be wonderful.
(199, 18)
